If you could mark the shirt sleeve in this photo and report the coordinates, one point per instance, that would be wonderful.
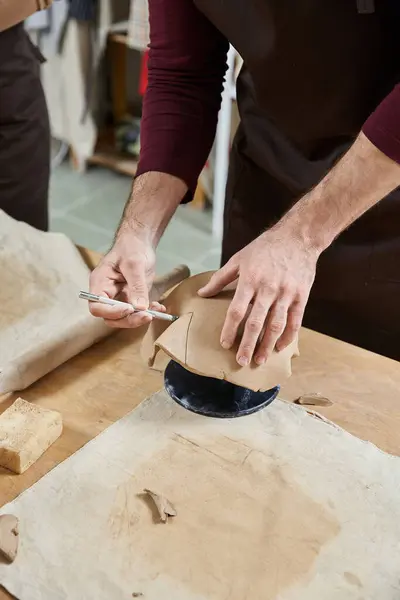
(382, 128)
(186, 68)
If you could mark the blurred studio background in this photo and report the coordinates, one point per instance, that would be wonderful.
(95, 76)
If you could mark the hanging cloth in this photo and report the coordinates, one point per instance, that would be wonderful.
(83, 10)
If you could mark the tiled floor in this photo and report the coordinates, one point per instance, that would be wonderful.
(87, 207)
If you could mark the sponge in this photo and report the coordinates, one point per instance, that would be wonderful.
(26, 431)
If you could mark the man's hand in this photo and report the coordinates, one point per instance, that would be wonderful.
(127, 271)
(275, 274)
(276, 271)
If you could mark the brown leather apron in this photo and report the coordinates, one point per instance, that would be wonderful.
(313, 73)
(24, 131)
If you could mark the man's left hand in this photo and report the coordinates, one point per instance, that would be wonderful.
(274, 276)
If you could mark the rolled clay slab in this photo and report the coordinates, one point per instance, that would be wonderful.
(43, 323)
(194, 340)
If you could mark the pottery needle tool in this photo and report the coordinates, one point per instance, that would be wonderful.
(104, 300)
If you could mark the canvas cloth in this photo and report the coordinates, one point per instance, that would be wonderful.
(275, 506)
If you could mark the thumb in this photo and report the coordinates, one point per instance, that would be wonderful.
(135, 276)
(219, 280)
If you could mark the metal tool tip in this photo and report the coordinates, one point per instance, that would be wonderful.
(85, 295)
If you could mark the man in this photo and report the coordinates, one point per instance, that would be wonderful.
(24, 123)
(302, 228)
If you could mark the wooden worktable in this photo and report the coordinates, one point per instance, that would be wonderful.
(107, 381)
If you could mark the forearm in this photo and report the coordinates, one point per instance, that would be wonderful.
(16, 11)
(360, 180)
(154, 200)
(187, 62)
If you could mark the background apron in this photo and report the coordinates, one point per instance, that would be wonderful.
(313, 73)
(24, 131)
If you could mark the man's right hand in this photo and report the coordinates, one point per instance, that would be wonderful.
(127, 272)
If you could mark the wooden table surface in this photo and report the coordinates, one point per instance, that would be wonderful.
(104, 383)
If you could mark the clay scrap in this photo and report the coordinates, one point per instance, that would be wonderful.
(164, 506)
(26, 432)
(194, 340)
(8, 537)
(313, 399)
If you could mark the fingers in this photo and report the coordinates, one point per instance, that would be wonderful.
(274, 327)
(103, 311)
(134, 319)
(271, 323)
(128, 280)
(127, 319)
(105, 281)
(293, 325)
(131, 321)
(275, 274)
(116, 316)
(253, 328)
(158, 306)
(219, 280)
(134, 271)
(235, 314)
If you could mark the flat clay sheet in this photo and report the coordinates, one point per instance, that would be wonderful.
(43, 323)
(278, 505)
(194, 340)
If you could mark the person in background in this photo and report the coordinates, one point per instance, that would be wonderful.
(24, 122)
(312, 217)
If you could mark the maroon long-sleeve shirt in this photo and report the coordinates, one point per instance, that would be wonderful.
(187, 64)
